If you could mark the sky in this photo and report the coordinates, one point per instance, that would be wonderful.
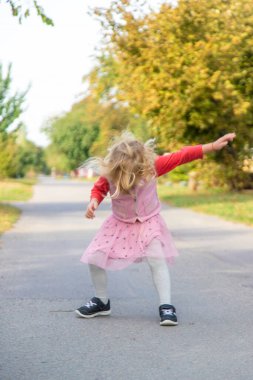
(52, 60)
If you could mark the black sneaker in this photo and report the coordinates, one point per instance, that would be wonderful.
(93, 308)
(168, 315)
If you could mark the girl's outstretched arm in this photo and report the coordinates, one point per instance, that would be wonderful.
(168, 162)
(218, 144)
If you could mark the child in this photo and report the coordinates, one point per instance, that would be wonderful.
(135, 230)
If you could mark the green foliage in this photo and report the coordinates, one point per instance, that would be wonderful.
(10, 110)
(18, 155)
(88, 127)
(73, 134)
(22, 11)
(30, 158)
(181, 173)
(10, 105)
(16, 160)
(186, 71)
(8, 149)
(56, 161)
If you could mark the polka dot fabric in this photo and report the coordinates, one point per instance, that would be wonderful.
(118, 244)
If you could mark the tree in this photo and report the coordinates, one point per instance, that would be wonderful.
(19, 156)
(30, 158)
(73, 133)
(55, 160)
(23, 11)
(11, 106)
(113, 115)
(187, 71)
(86, 130)
(8, 163)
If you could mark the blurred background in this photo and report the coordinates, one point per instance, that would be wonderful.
(74, 74)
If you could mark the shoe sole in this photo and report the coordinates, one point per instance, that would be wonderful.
(168, 323)
(108, 312)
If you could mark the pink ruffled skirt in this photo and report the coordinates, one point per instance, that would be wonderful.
(118, 244)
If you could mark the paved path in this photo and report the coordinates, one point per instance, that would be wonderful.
(42, 282)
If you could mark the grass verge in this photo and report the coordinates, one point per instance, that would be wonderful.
(236, 207)
(13, 190)
(8, 216)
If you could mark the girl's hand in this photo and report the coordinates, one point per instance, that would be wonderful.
(91, 208)
(223, 141)
(218, 144)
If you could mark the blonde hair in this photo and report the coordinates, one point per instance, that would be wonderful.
(128, 161)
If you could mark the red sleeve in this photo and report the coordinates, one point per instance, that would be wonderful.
(164, 164)
(100, 189)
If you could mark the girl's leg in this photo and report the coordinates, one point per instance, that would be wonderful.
(160, 273)
(161, 277)
(99, 305)
(99, 279)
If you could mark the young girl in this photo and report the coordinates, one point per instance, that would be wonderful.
(135, 230)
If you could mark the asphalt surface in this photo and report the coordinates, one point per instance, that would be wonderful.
(42, 281)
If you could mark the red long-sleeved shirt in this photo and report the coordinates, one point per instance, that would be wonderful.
(163, 165)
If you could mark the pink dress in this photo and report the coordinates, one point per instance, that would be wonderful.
(125, 235)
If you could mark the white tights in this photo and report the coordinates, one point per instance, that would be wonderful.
(160, 274)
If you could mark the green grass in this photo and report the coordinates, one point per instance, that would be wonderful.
(8, 216)
(13, 190)
(16, 190)
(236, 207)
